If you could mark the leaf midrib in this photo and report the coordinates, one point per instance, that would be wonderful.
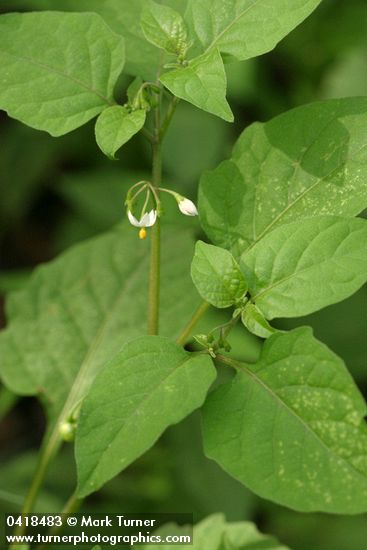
(228, 27)
(146, 397)
(299, 197)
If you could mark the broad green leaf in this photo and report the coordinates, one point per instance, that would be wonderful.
(203, 83)
(76, 313)
(255, 322)
(150, 384)
(214, 533)
(58, 70)
(245, 28)
(123, 16)
(165, 28)
(288, 169)
(291, 427)
(115, 126)
(307, 265)
(217, 276)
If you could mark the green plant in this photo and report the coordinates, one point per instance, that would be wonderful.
(280, 214)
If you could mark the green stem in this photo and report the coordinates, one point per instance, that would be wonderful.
(48, 450)
(155, 249)
(185, 334)
(169, 115)
(46, 455)
(226, 328)
(71, 506)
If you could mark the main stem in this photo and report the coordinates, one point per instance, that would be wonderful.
(155, 249)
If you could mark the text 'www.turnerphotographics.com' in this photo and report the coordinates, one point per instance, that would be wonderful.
(108, 529)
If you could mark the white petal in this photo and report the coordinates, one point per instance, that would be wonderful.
(132, 219)
(187, 207)
(144, 222)
(152, 218)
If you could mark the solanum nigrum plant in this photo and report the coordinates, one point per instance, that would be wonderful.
(99, 334)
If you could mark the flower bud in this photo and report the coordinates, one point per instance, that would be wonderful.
(187, 207)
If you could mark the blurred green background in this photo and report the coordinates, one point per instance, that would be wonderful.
(56, 192)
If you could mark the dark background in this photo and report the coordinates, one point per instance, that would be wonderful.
(56, 192)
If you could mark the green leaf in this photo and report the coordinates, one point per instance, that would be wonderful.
(288, 169)
(255, 322)
(214, 533)
(75, 314)
(151, 384)
(245, 28)
(115, 126)
(307, 265)
(203, 83)
(217, 276)
(291, 427)
(165, 28)
(58, 70)
(123, 16)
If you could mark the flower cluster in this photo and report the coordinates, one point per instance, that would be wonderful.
(149, 217)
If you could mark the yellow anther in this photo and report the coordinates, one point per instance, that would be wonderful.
(142, 233)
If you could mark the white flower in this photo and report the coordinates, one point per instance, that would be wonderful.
(147, 220)
(187, 207)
